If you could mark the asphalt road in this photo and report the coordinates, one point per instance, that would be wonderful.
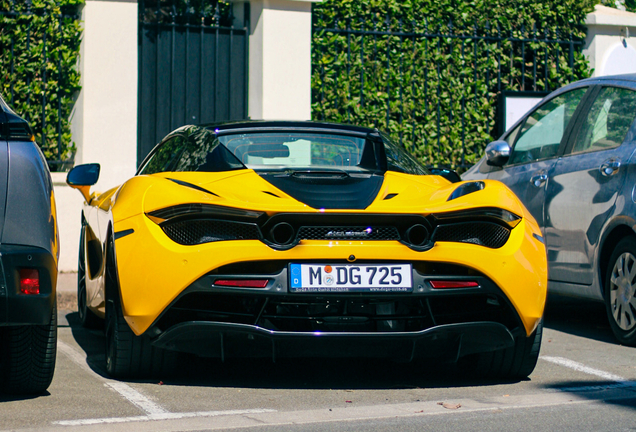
(584, 381)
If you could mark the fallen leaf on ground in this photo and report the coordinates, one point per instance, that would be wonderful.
(448, 405)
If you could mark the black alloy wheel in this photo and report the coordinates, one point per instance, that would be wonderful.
(620, 291)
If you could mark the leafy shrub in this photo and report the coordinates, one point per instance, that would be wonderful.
(40, 42)
(430, 71)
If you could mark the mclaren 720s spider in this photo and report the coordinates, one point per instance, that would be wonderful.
(303, 239)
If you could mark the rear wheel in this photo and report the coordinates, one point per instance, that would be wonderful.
(620, 291)
(129, 355)
(516, 362)
(87, 318)
(28, 358)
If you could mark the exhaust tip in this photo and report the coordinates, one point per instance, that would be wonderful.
(282, 233)
(417, 235)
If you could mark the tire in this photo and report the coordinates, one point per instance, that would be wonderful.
(127, 355)
(87, 318)
(620, 291)
(512, 363)
(28, 360)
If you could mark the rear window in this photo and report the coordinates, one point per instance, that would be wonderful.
(198, 149)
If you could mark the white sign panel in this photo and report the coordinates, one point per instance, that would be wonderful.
(517, 107)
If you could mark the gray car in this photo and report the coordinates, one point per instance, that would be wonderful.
(29, 248)
(571, 161)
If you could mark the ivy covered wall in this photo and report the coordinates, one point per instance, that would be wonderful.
(40, 41)
(430, 72)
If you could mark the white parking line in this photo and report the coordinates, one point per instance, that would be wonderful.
(580, 367)
(163, 416)
(124, 390)
(152, 410)
(618, 381)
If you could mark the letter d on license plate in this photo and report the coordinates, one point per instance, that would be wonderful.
(350, 278)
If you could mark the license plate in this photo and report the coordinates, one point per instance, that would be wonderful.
(350, 278)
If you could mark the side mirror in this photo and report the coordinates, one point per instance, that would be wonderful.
(82, 177)
(447, 173)
(497, 153)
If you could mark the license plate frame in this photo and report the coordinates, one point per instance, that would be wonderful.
(350, 278)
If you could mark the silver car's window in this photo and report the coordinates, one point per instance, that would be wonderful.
(542, 131)
(608, 120)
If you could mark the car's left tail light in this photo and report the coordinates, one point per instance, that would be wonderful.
(29, 281)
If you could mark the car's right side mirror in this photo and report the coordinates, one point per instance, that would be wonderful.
(497, 153)
(82, 177)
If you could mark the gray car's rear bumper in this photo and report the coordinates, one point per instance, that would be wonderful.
(17, 308)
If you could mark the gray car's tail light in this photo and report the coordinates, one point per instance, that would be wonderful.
(29, 281)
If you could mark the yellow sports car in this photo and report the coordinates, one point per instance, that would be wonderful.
(302, 239)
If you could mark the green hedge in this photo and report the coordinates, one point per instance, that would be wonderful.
(414, 87)
(40, 72)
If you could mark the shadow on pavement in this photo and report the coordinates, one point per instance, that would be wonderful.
(608, 392)
(578, 317)
(310, 373)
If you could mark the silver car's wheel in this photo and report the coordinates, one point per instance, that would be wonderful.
(620, 291)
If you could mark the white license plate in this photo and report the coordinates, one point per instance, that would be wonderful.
(350, 278)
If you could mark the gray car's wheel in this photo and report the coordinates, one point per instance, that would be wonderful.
(87, 318)
(516, 362)
(620, 291)
(129, 355)
(28, 356)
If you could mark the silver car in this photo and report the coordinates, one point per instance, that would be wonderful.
(571, 161)
(29, 248)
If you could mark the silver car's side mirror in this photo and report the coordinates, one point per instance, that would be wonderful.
(497, 153)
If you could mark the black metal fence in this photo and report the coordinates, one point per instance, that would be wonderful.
(38, 55)
(192, 67)
(436, 89)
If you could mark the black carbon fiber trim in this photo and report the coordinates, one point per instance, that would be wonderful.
(487, 234)
(198, 231)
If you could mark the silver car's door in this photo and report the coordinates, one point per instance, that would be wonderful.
(536, 143)
(585, 183)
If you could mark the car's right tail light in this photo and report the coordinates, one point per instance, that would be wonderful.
(29, 281)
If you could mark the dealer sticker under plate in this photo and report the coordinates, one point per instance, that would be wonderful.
(350, 278)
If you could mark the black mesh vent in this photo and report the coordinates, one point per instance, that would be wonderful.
(348, 233)
(486, 234)
(193, 232)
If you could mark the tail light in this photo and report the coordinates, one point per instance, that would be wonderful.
(29, 281)
(444, 284)
(242, 283)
